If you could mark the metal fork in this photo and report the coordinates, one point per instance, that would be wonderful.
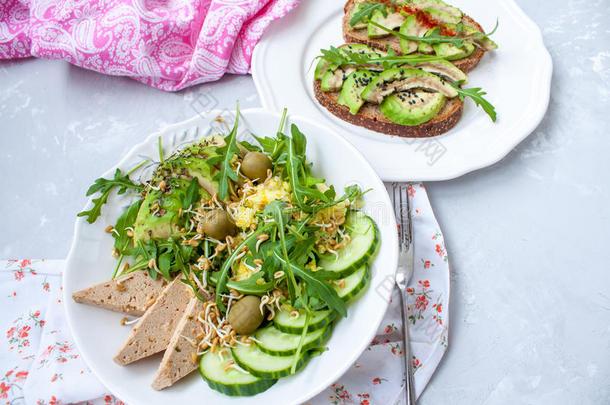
(402, 208)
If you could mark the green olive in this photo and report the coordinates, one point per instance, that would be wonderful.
(218, 224)
(245, 315)
(255, 165)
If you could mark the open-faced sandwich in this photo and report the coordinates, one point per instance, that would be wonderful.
(430, 27)
(237, 260)
(402, 69)
(409, 95)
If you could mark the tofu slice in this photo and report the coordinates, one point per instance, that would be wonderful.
(154, 330)
(131, 293)
(180, 358)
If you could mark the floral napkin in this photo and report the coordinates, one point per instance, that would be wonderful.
(40, 365)
(169, 45)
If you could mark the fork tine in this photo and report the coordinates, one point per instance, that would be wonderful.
(396, 202)
(402, 218)
(405, 212)
(410, 225)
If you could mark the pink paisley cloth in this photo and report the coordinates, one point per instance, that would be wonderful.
(167, 44)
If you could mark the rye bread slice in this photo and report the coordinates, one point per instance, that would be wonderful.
(130, 294)
(154, 330)
(180, 358)
(369, 116)
(359, 36)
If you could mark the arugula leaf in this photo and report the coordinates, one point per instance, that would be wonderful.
(343, 57)
(226, 172)
(105, 186)
(476, 94)
(144, 251)
(323, 289)
(297, 355)
(296, 166)
(334, 56)
(435, 35)
(302, 249)
(160, 151)
(248, 146)
(165, 263)
(365, 12)
(191, 195)
(121, 240)
(274, 146)
(249, 286)
(299, 140)
(268, 144)
(275, 210)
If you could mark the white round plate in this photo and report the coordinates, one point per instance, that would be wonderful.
(98, 333)
(516, 77)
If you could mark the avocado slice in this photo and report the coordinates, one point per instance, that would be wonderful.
(445, 69)
(391, 21)
(360, 24)
(441, 17)
(413, 28)
(158, 214)
(484, 43)
(452, 52)
(321, 68)
(352, 87)
(412, 107)
(438, 5)
(399, 79)
(333, 78)
(424, 47)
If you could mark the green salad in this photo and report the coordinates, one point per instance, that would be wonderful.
(274, 252)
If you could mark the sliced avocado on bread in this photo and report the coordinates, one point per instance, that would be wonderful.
(412, 107)
(417, 19)
(417, 99)
(403, 79)
(352, 87)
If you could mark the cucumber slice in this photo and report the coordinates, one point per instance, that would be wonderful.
(357, 252)
(273, 341)
(230, 381)
(285, 323)
(263, 365)
(353, 284)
